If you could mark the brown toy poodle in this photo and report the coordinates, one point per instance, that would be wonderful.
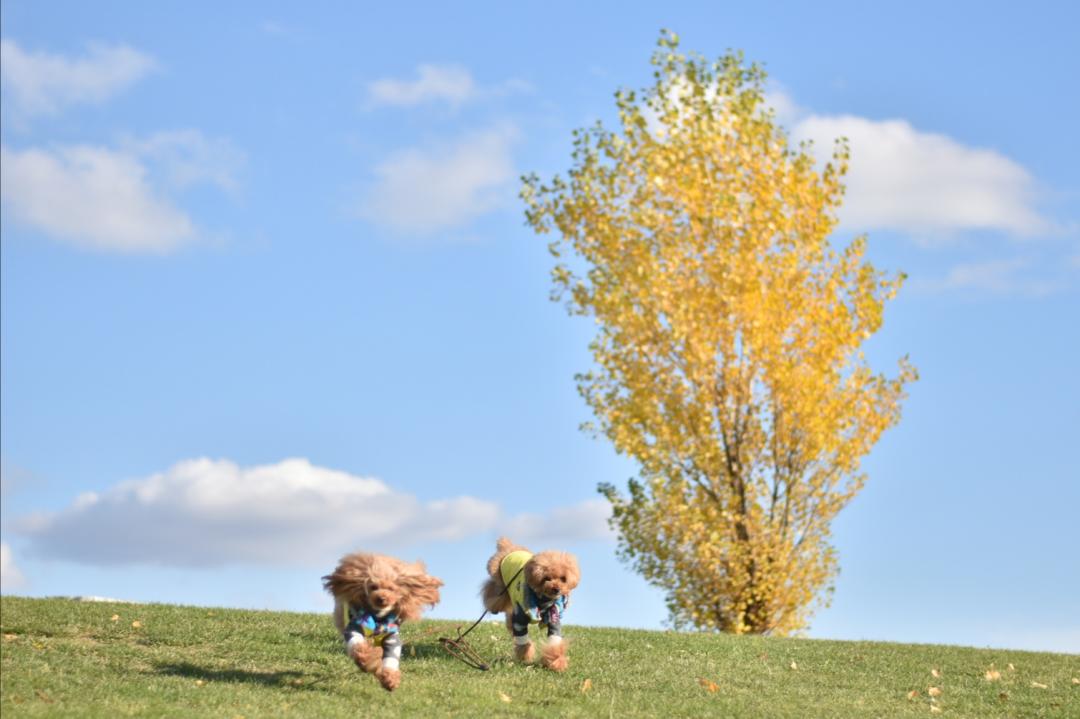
(373, 595)
(532, 588)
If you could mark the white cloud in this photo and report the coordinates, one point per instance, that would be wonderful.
(1017, 276)
(187, 157)
(900, 178)
(424, 191)
(92, 197)
(925, 183)
(995, 275)
(784, 106)
(205, 512)
(105, 199)
(10, 576)
(43, 83)
(446, 83)
(585, 521)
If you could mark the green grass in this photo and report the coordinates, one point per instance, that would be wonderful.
(61, 657)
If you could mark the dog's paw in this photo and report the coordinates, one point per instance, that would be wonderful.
(524, 652)
(367, 657)
(554, 657)
(389, 678)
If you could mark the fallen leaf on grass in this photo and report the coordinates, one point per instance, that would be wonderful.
(1003, 696)
(136, 624)
(1076, 681)
(1011, 667)
(935, 674)
(199, 682)
(43, 696)
(114, 618)
(586, 685)
(933, 691)
(1038, 685)
(913, 695)
(992, 675)
(794, 665)
(13, 637)
(505, 697)
(711, 686)
(935, 709)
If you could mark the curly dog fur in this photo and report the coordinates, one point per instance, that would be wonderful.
(550, 574)
(379, 585)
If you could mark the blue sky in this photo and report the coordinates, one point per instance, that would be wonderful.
(268, 296)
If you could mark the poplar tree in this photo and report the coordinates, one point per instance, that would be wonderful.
(729, 327)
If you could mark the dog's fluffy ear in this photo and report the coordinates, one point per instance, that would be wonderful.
(419, 589)
(352, 573)
(535, 571)
(573, 573)
(573, 577)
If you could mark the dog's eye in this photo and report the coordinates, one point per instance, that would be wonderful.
(374, 587)
(562, 579)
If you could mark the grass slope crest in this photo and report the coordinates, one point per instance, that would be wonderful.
(101, 659)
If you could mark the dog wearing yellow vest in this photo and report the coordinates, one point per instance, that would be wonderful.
(532, 589)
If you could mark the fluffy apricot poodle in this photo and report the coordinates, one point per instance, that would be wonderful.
(532, 588)
(373, 595)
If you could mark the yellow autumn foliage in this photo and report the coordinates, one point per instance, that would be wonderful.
(727, 356)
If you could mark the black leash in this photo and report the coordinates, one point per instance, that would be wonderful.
(460, 649)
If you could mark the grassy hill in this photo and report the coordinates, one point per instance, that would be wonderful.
(68, 658)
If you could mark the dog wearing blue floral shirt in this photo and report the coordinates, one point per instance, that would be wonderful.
(373, 595)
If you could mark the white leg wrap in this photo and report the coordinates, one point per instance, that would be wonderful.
(390, 663)
(522, 640)
(554, 640)
(354, 640)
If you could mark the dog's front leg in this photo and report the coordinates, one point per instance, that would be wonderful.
(366, 655)
(553, 653)
(518, 624)
(389, 674)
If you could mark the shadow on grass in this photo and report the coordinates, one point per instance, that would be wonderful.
(281, 680)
